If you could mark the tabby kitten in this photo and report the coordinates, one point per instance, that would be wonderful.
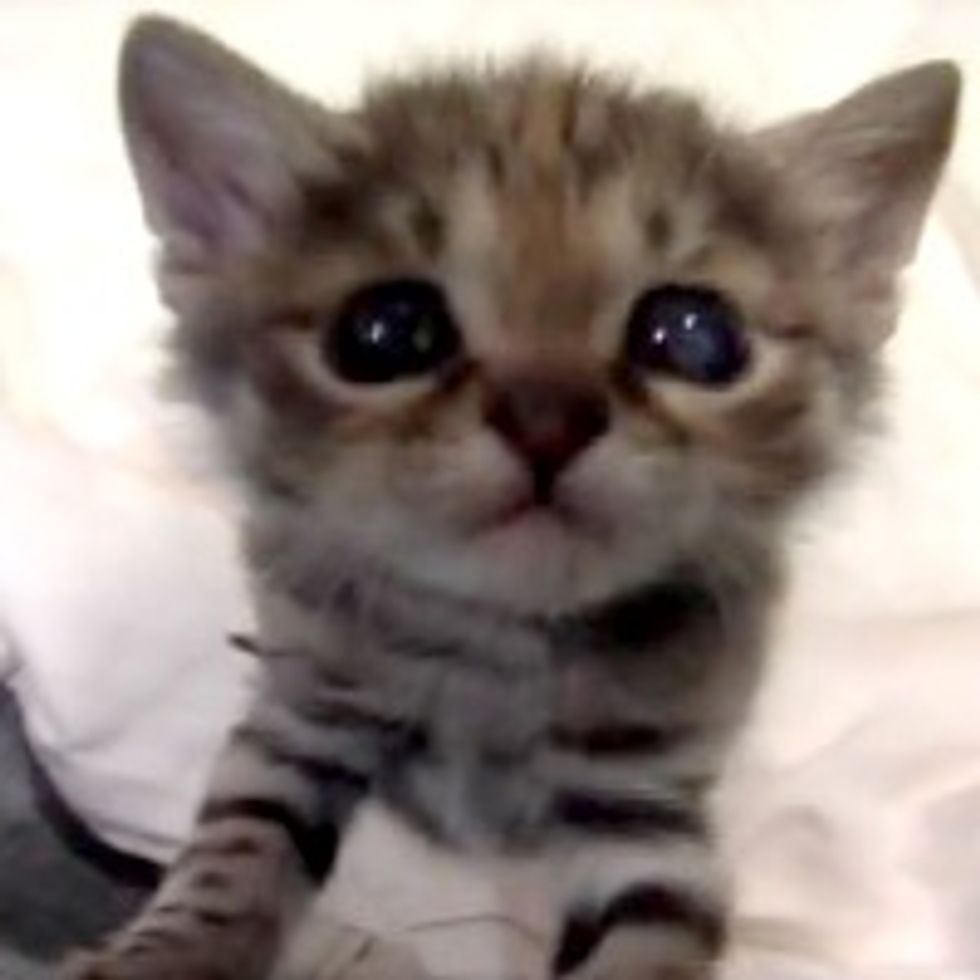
(524, 372)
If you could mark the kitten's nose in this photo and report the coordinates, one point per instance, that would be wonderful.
(548, 422)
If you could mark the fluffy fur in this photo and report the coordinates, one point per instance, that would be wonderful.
(563, 685)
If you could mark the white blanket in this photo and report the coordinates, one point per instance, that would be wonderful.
(854, 813)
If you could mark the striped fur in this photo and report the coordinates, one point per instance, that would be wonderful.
(568, 688)
(489, 750)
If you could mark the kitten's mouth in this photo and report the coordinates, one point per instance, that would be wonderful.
(533, 510)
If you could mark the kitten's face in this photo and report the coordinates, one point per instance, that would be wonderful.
(522, 337)
(548, 450)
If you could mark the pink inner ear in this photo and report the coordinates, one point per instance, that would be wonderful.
(192, 208)
(198, 181)
(211, 205)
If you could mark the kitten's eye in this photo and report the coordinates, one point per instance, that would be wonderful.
(391, 331)
(689, 332)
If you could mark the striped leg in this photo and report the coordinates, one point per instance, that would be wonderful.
(265, 839)
(642, 896)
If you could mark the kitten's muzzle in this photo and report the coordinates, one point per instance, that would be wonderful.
(547, 422)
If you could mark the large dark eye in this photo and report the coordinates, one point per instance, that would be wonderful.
(689, 332)
(390, 331)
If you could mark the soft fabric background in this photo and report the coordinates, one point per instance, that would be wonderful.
(854, 812)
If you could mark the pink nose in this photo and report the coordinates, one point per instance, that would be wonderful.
(547, 422)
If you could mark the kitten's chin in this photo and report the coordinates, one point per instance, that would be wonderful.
(535, 561)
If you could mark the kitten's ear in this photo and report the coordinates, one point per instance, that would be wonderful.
(868, 166)
(220, 150)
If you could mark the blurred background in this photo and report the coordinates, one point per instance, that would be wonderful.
(854, 811)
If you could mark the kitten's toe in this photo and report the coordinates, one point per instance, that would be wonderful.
(635, 954)
(142, 963)
(82, 966)
(102, 966)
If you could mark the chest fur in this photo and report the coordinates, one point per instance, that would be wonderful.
(479, 703)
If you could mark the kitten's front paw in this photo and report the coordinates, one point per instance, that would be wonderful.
(109, 966)
(635, 954)
(140, 962)
(96, 966)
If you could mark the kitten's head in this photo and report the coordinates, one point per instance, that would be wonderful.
(524, 334)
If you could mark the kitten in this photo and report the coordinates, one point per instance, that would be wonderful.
(524, 372)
